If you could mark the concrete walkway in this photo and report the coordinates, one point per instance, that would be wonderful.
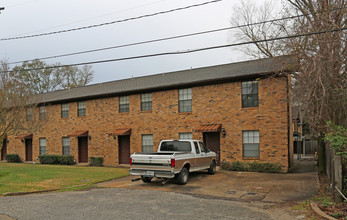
(300, 184)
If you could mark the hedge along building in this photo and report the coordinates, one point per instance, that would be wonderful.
(240, 110)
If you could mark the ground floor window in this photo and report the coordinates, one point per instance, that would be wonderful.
(250, 140)
(147, 143)
(42, 146)
(66, 146)
(185, 136)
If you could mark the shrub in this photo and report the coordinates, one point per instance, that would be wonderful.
(57, 159)
(96, 161)
(13, 158)
(252, 166)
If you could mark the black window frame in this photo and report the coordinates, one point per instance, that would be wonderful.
(250, 94)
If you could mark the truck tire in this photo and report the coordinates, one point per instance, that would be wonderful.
(182, 177)
(212, 169)
(146, 179)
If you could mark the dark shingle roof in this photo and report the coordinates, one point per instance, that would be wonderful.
(183, 78)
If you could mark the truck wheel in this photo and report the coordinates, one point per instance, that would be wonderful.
(182, 177)
(212, 169)
(146, 179)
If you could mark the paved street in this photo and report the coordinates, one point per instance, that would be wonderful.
(117, 203)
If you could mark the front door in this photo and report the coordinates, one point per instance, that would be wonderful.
(212, 142)
(28, 149)
(4, 150)
(83, 149)
(124, 149)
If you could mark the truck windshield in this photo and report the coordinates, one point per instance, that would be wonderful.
(175, 146)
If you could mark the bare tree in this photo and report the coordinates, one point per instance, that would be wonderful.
(320, 83)
(16, 103)
(39, 77)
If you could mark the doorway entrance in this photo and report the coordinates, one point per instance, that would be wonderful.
(29, 149)
(83, 149)
(212, 142)
(4, 149)
(124, 149)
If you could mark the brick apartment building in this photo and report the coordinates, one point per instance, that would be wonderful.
(240, 110)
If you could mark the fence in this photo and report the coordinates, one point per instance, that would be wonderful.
(311, 146)
(336, 172)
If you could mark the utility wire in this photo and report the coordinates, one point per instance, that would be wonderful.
(176, 37)
(111, 22)
(187, 51)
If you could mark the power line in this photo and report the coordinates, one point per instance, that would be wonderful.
(176, 37)
(111, 22)
(187, 51)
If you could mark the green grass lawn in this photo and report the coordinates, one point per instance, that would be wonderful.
(19, 177)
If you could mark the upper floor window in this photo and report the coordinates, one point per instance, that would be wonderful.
(65, 110)
(147, 143)
(29, 114)
(250, 141)
(185, 100)
(249, 94)
(124, 104)
(66, 146)
(42, 146)
(146, 102)
(81, 108)
(42, 113)
(186, 136)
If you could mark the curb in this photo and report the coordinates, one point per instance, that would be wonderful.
(39, 191)
(319, 212)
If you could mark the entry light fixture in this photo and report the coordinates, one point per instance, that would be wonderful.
(89, 137)
(7, 141)
(114, 137)
(223, 132)
(22, 140)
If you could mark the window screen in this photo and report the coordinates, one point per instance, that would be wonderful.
(250, 94)
(65, 110)
(42, 146)
(186, 136)
(250, 141)
(185, 100)
(81, 108)
(66, 146)
(124, 104)
(146, 102)
(147, 143)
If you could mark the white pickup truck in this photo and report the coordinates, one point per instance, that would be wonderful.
(174, 159)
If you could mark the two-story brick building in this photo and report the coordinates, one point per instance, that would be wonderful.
(240, 110)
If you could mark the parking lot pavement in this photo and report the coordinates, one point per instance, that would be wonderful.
(118, 203)
(300, 184)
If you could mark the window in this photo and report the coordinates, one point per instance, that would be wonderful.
(81, 108)
(65, 110)
(185, 136)
(147, 143)
(202, 147)
(42, 146)
(196, 147)
(146, 102)
(42, 113)
(66, 146)
(185, 100)
(249, 94)
(250, 140)
(124, 104)
(176, 146)
(29, 114)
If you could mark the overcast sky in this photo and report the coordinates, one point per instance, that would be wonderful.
(25, 17)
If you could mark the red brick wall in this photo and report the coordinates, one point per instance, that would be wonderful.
(212, 104)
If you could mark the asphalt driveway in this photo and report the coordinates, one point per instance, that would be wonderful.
(300, 184)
